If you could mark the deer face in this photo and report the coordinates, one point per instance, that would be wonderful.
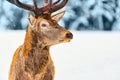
(49, 29)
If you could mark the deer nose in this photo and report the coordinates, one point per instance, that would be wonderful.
(69, 35)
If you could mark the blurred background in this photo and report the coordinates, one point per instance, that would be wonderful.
(94, 52)
(80, 15)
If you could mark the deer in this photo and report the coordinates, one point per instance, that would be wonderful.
(32, 60)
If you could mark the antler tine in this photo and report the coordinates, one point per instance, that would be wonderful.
(22, 5)
(45, 8)
(50, 3)
(61, 5)
(36, 9)
(45, 2)
(35, 4)
(56, 2)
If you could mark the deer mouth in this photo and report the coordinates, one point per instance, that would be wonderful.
(65, 40)
(61, 40)
(67, 37)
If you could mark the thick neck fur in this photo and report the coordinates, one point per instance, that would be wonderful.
(36, 52)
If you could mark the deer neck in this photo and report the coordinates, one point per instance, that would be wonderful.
(34, 43)
(36, 53)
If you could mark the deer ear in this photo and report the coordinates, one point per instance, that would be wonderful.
(31, 19)
(58, 16)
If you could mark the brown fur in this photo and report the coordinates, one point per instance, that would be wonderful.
(32, 60)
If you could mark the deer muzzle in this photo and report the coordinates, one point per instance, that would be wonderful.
(69, 35)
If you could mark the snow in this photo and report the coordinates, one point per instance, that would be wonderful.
(89, 56)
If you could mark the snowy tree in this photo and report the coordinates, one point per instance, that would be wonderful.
(92, 14)
(80, 15)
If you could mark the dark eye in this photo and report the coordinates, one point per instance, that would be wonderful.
(43, 25)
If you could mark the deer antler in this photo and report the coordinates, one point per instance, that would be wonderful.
(44, 8)
(54, 7)
(57, 7)
(22, 5)
(51, 7)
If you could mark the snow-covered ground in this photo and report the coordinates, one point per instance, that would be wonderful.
(89, 56)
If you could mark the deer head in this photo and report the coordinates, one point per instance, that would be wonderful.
(44, 24)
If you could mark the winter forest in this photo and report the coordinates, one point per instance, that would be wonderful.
(92, 54)
(80, 15)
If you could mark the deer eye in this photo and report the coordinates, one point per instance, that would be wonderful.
(43, 25)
